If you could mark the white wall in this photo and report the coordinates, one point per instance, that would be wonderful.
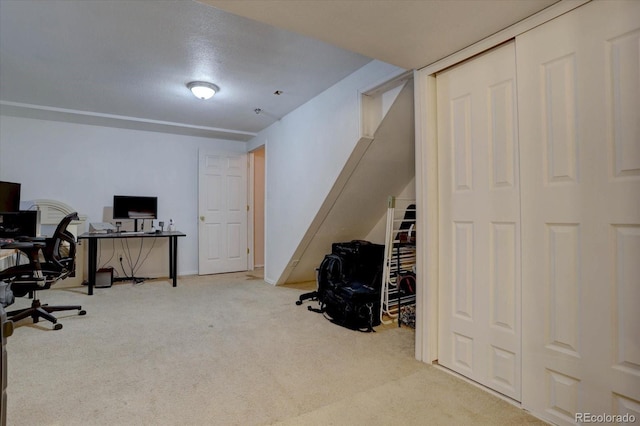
(84, 166)
(306, 150)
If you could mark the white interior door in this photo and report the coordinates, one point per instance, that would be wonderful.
(222, 209)
(479, 314)
(579, 104)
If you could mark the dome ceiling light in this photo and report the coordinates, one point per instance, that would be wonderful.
(202, 89)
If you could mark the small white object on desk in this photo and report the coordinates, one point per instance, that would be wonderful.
(101, 228)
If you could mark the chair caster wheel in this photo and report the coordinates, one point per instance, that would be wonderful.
(298, 302)
(57, 326)
(82, 312)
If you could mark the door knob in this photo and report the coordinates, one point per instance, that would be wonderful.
(201, 218)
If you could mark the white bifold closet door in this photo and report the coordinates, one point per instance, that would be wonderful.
(579, 117)
(539, 277)
(479, 199)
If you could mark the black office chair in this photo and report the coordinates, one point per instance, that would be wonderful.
(50, 260)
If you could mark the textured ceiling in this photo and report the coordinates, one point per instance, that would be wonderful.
(114, 59)
(126, 63)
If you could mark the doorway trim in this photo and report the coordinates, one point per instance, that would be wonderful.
(251, 205)
(250, 209)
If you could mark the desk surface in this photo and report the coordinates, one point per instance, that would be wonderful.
(89, 235)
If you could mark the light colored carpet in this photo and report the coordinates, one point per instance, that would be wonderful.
(225, 350)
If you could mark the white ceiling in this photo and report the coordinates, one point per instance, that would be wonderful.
(126, 63)
(410, 34)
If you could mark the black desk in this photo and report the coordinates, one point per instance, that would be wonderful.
(93, 250)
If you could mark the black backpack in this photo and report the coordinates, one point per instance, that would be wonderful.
(330, 275)
(348, 292)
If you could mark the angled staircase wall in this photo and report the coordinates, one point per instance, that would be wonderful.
(376, 168)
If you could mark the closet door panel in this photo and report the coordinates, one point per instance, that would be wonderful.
(578, 102)
(479, 315)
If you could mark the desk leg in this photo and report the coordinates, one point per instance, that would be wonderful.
(93, 260)
(173, 260)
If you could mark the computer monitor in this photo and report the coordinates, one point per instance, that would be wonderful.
(25, 223)
(134, 207)
(9, 197)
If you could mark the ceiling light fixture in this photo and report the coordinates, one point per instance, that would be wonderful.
(202, 89)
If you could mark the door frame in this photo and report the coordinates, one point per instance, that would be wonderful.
(251, 191)
(426, 149)
(250, 208)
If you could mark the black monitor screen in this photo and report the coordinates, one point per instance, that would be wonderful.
(131, 207)
(9, 197)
